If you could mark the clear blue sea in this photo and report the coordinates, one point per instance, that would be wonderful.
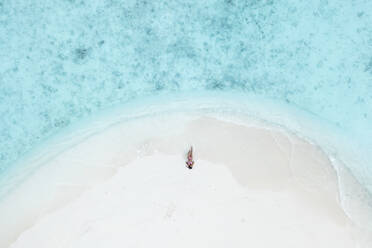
(65, 61)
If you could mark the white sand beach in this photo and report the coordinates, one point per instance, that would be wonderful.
(128, 186)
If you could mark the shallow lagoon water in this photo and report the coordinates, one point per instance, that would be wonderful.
(64, 61)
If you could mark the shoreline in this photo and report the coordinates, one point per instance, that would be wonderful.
(73, 187)
(232, 106)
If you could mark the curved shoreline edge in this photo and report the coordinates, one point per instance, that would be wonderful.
(228, 109)
(349, 149)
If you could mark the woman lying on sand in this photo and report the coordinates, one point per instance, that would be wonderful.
(190, 161)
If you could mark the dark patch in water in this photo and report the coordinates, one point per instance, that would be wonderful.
(159, 86)
(215, 85)
(81, 54)
(120, 85)
(369, 66)
(61, 123)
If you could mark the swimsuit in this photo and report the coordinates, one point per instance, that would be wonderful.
(189, 164)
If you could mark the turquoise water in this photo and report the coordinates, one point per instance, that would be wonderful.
(63, 61)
